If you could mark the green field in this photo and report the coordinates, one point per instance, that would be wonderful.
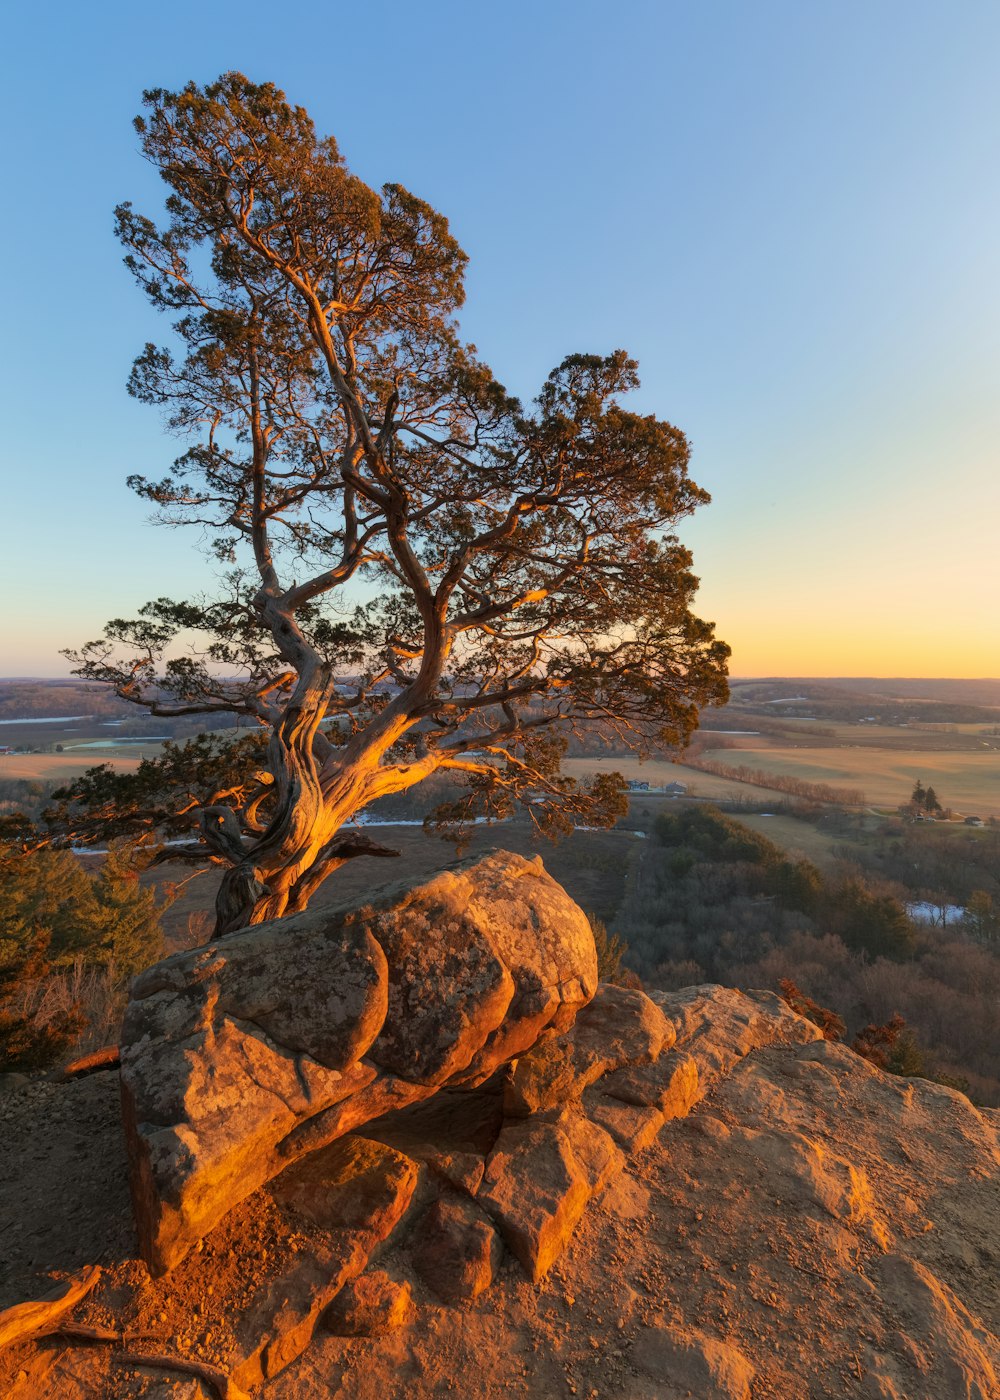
(796, 838)
(967, 782)
(660, 772)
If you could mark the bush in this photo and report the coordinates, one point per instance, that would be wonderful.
(829, 1022)
(611, 951)
(69, 943)
(892, 1047)
(28, 1040)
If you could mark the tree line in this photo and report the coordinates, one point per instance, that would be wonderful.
(795, 787)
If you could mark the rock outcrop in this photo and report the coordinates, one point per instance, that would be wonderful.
(240, 1057)
(459, 1172)
(796, 1223)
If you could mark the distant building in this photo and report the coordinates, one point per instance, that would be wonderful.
(969, 821)
(637, 785)
(675, 789)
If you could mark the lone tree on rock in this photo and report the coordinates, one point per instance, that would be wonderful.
(422, 575)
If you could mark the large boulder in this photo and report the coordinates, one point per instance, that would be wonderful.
(242, 1056)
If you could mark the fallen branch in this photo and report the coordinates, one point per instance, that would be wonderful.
(161, 1361)
(78, 1332)
(105, 1058)
(211, 1375)
(42, 1315)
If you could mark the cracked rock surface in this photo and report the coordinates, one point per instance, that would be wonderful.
(242, 1056)
(799, 1225)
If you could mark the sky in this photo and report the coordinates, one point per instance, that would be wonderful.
(789, 213)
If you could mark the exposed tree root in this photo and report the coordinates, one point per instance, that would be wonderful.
(211, 1375)
(43, 1315)
(157, 1360)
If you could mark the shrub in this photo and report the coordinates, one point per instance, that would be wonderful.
(611, 951)
(829, 1022)
(69, 942)
(892, 1047)
(27, 1040)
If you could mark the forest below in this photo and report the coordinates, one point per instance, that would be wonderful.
(711, 901)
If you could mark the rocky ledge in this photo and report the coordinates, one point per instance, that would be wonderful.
(771, 1217)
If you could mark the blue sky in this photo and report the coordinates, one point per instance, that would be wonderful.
(788, 212)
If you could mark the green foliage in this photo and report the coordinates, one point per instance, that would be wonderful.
(924, 799)
(163, 795)
(57, 922)
(48, 900)
(796, 884)
(869, 920)
(893, 1047)
(706, 833)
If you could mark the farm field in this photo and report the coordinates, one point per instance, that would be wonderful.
(658, 772)
(60, 766)
(927, 738)
(968, 782)
(795, 837)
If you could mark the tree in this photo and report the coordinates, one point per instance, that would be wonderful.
(869, 920)
(931, 803)
(981, 916)
(26, 1043)
(59, 922)
(611, 952)
(50, 902)
(422, 576)
(918, 797)
(892, 1047)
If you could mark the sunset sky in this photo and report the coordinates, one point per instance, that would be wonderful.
(788, 212)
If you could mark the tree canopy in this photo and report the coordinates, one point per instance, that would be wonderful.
(419, 574)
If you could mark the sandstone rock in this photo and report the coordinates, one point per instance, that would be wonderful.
(811, 1175)
(718, 1026)
(353, 1184)
(443, 989)
(457, 1251)
(463, 1170)
(669, 1084)
(619, 1027)
(964, 1357)
(240, 1057)
(276, 1326)
(632, 1127)
(539, 1178)
(371, 1306)
(689, 1363)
